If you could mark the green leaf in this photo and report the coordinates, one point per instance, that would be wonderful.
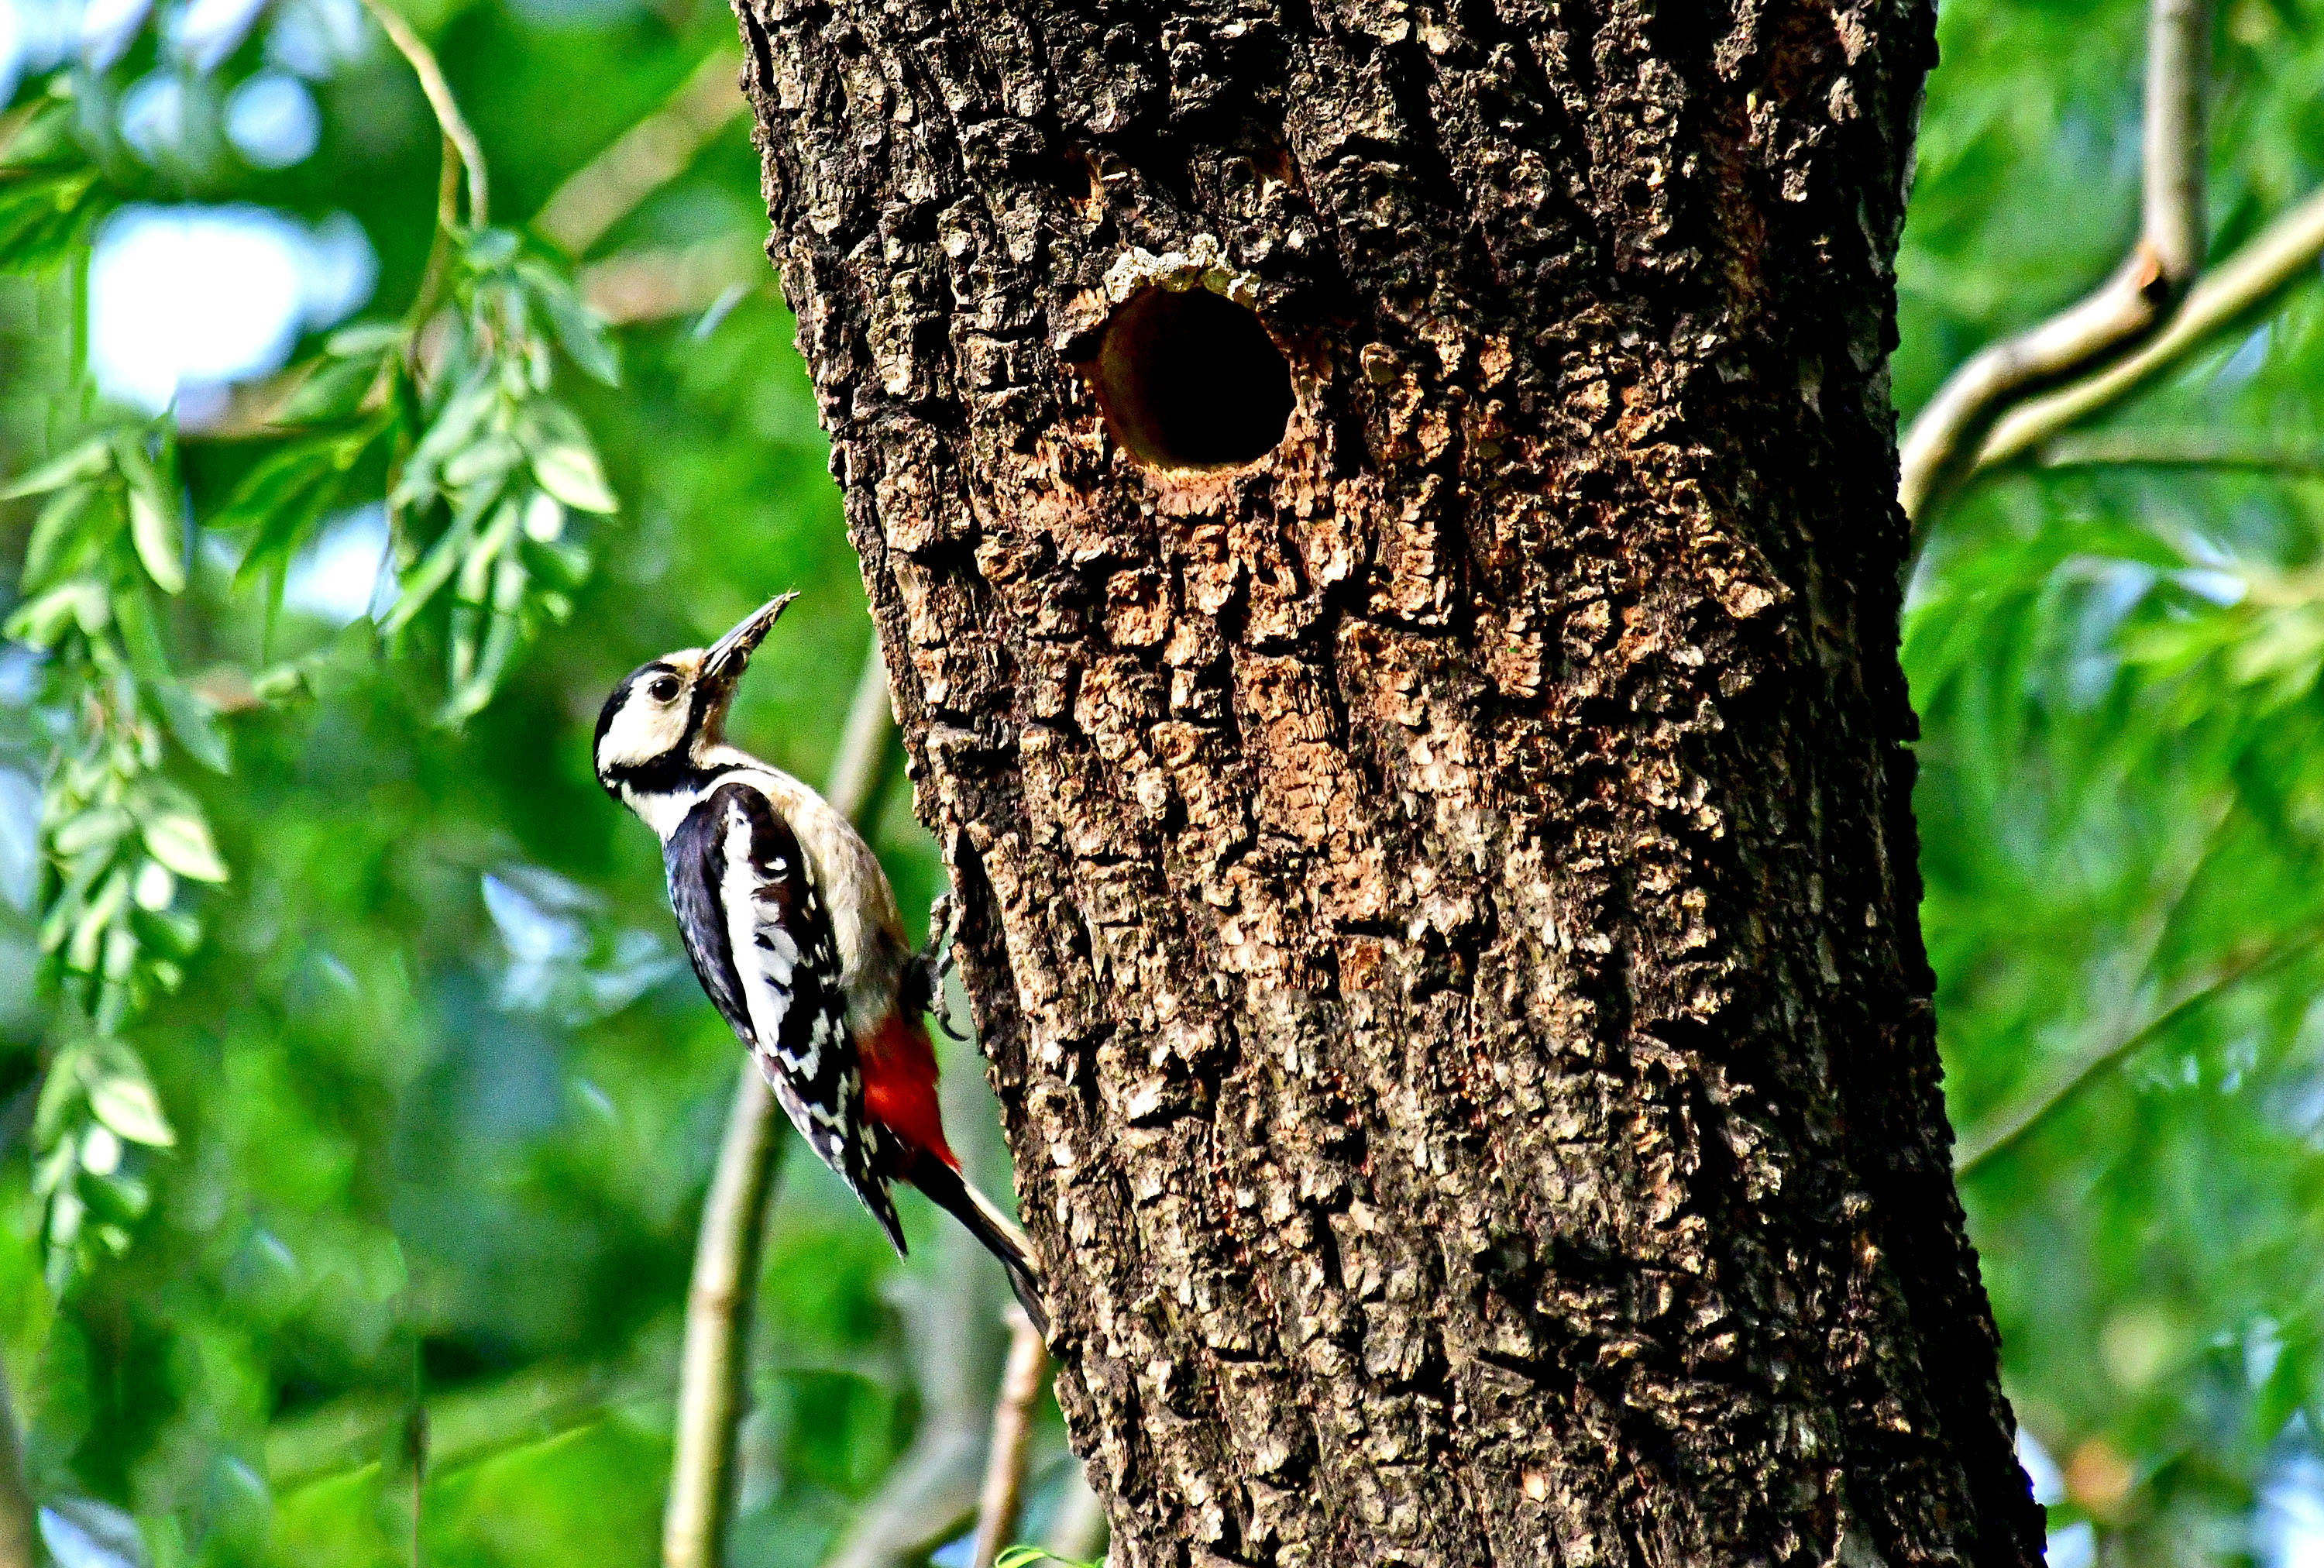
(98, 825)
(43, 621)
(464, 411)
(489, 250)
(1029, 1556)
(55, 1165)
(569, 472)
(82, 949)
(129, 1106)
(156, 512)
(61, 1091)
(338, 380)
(579, 330)
(86, 461)
(174, 930)
(488, 462)
(491, 660)
(367, 340)
(445, 556)
(181, 841)
(55, 533)
(161, 538)
(194, 722)
(287, 495)
(45, 218)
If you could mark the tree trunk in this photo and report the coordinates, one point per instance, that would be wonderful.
(1381, 517)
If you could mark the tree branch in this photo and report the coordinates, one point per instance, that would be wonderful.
(465, 1426)
(927, 1497)
(2001, 1131)
(712, 1366)
(711, 1378)
(645, 157)
(656, 282)
(2271, 261)
(2171, 143)
(930, 1492)
(1942, 447)
(458, 133)
(1002, 1500)
(2179, 449)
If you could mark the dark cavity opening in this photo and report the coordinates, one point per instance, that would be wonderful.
(1192, 380)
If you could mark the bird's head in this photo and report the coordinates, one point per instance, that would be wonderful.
(667, 715)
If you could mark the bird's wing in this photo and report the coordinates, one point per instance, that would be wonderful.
(760, 939)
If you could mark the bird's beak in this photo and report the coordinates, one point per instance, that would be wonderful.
(722, 666)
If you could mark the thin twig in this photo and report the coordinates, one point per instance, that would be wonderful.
(2153, 930)
(2279, 255)
(656, 282)
(20, 1517)
(2181, 449)
(446, 109)
(2001, 1131)
(438, 269)
(712, 1366)
(465, 1426)
(1942, 449)
(645, 157)
(1002, 1501)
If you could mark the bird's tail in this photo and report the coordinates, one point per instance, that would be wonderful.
(997, 1232)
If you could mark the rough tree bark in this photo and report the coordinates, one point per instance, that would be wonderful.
(1442, 890)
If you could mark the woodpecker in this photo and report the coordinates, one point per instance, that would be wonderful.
(793, 930)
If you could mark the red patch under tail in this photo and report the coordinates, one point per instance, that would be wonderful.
(899, 1085)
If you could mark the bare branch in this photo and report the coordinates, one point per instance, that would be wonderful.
(1942, 447)
(645, 157)
(2177, 47)
(2270, 262)
(458, 133)
(464, 1427)
(1002, 1501)
(2181, 449)
(711, 1370)
(2002, 1131)
(656, 283)
(1939, 450)
(928, 1496)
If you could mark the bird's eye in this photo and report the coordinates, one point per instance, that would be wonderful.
(664, 689)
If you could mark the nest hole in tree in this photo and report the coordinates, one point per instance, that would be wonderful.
(1191, 380)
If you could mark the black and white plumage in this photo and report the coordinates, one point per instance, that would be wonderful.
(793, 930)
(756, 930)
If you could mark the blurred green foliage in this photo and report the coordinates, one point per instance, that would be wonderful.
(426, 1120)
(2121, 801)
(418, 1103)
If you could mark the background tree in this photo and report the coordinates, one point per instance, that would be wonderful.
(420, 1114)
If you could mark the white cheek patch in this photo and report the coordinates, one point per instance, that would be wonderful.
(642, 730)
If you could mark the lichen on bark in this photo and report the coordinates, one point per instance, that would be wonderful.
(1443, 906)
